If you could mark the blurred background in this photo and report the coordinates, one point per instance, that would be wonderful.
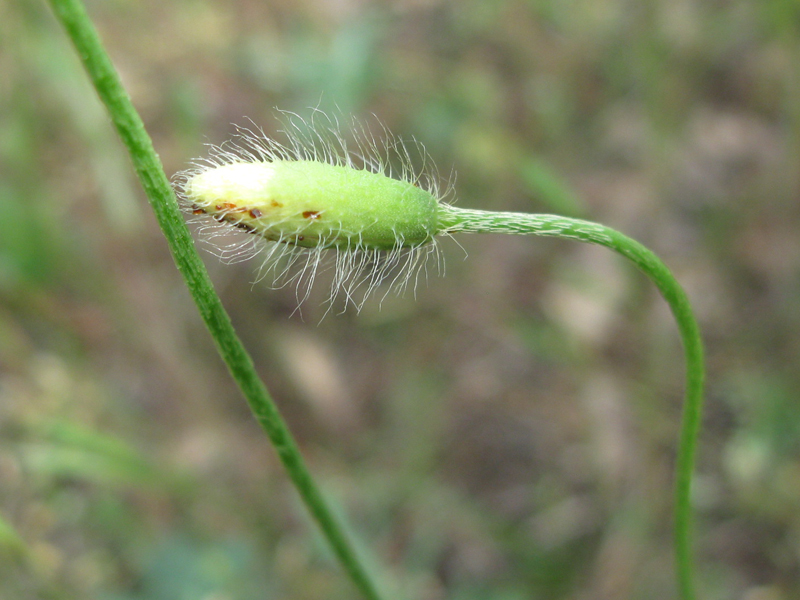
(508, 431)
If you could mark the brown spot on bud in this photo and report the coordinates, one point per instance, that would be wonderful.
(244, 226)
(255, 213)
(312, 215)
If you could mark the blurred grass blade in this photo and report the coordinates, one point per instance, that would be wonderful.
(64, 449)
(547, 187)
(12, 545)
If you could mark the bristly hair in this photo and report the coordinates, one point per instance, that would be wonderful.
(358, 270)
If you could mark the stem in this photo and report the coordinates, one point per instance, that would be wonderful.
(453, 220)
(151, 174)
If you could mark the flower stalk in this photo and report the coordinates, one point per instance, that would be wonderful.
(106, 81)
(454, 220)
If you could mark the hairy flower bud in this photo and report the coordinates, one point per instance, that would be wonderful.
(315, 201)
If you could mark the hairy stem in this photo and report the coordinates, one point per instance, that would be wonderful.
(453, 220)
(151, 174)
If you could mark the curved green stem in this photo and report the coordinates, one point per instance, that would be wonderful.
(162, 199)
(453, 220)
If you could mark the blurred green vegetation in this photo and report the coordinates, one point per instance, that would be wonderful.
(508, 433)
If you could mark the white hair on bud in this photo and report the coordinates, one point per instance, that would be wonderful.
(292, 257)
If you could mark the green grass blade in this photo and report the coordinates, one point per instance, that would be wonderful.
(11, 544)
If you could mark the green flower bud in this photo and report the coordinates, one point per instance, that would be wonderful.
(315, 202)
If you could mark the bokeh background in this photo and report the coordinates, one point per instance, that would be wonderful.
(508, 433)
